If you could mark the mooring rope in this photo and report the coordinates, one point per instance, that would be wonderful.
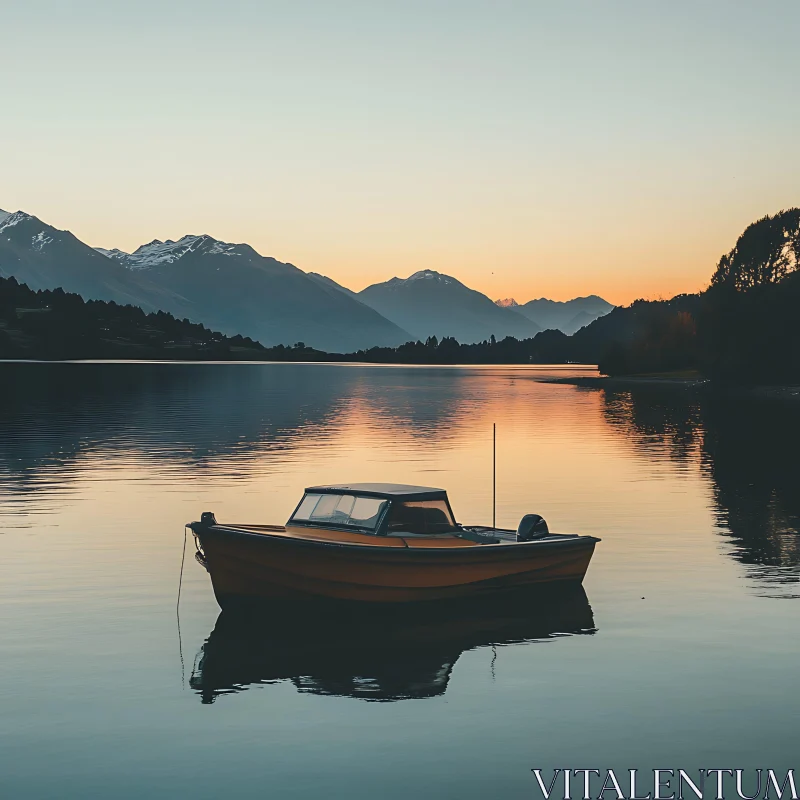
(178, 609)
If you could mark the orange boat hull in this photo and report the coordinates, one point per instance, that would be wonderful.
(256, 564)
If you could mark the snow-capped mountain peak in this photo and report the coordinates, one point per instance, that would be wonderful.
(156, 253)
(507, 302)
(119, 255)
(429, 275)
(9, 220)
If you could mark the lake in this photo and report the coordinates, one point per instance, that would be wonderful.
(681, 651)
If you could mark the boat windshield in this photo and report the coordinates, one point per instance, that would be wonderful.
(421, 516)
(340, 509)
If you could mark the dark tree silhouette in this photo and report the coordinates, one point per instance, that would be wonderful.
(745, 328)
(765, 253)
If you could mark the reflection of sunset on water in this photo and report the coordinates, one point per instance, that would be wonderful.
(246, 440)
(102, 465)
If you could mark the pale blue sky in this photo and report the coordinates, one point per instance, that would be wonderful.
(528, 148)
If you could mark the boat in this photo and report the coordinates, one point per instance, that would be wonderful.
(382, 543)
(375, 652)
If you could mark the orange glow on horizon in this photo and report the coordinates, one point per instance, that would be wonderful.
(650, 261)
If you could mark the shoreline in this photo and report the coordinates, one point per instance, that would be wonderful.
(780, 392)
(627, 381)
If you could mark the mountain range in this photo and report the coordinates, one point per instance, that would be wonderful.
(568, 316)
(227, 287)
(234, 289)
(46, 258)
(431, 304)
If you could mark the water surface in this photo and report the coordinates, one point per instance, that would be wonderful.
(680, 651)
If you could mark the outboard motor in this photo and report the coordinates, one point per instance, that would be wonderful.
(531, 527)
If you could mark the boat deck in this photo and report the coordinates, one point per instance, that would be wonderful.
(491, 536)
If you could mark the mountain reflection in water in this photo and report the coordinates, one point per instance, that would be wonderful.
(375, 653)
(216, 417)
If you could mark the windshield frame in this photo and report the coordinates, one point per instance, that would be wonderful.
(381, 526)
(311, 523)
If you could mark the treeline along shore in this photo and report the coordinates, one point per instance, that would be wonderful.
(56, 325)
(745, 328)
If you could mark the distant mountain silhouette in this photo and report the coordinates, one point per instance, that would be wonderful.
(431, 304)
(568, 317)
(237, 290)
(229, 287)
(580, 320)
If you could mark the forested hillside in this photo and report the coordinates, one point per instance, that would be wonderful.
(55, 325)
(745, 328)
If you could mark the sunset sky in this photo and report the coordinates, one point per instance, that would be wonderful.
(528, 148)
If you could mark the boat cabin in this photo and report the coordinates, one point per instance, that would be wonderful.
(382, 509)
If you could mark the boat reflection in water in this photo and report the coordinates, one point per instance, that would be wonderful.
(380, 654)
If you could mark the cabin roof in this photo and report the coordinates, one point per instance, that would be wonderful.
(391, 491)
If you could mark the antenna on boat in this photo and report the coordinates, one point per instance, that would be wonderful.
(494, 475)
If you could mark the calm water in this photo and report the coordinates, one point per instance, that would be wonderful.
(682, 652)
